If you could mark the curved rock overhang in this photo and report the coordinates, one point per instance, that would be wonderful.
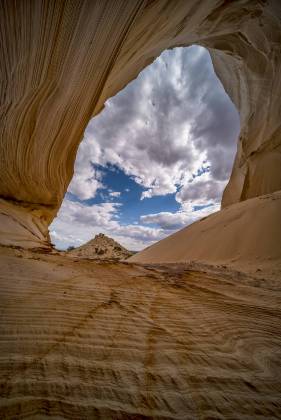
(61, 60)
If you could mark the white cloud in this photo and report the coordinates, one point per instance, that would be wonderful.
(86, 180)
(162, 129)
(201, 190)
(164, 126)
(77, 223)
(84, 187)
(115, 194)
(184, 217)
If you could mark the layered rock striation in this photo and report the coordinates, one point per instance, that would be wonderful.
(60, 61)
(86, 340)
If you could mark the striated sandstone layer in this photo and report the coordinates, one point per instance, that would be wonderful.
(88, 340)
(61, 60)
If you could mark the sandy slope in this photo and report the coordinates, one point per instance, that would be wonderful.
(84, 340)
(245, 234)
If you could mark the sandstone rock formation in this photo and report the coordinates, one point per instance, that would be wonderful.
(86, 340)
(100, 248)
(83, 339)
(61, 60)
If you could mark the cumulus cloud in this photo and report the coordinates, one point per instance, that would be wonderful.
(84, 187)
(201, 190)
(86, 180)
(115, 193)
(174, 221)
(164, 126)
(173, 130)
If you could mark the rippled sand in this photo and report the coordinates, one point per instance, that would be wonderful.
(85, 340)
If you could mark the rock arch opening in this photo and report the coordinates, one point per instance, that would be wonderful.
(66, 61)
(157, 158)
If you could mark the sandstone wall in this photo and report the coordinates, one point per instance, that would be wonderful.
(61, 60)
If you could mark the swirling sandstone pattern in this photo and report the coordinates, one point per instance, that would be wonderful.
(60, 61)
(82, 340)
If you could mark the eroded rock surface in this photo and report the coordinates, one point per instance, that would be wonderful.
(90, 340)
(60, 61)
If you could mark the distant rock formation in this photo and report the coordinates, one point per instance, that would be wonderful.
(101, 248)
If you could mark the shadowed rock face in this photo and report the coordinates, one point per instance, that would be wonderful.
(60, 61)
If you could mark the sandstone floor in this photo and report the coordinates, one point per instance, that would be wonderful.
(86, 340)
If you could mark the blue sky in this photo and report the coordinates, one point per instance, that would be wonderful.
(123, 189)
(156, 159)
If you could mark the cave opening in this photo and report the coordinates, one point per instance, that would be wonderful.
(156, 159)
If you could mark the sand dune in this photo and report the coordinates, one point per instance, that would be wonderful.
(244, 234)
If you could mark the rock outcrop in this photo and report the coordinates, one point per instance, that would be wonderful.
(60, 61)
(100, 248)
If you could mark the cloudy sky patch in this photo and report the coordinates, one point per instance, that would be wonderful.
(161, 148)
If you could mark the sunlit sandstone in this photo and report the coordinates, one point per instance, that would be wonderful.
(88, 340)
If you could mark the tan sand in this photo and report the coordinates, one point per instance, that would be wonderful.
(244, 235)
(94, 340)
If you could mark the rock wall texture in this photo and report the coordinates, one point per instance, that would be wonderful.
(61, 60)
